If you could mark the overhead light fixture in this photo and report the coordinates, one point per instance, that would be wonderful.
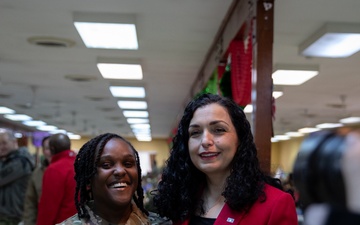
(143, 138)
(248, 109)
(47, 128)
(17, 117)
(6, 110)
(282, 137)
(350, 120)
(329, 125)
(137, 120)
(120, 69)
(307, 130)
(34, 123)
(127, 92)
(293, 75)
(140, 126)
(132, 104)
(137, 114)
(277, 94)
(333, 40)
(294, 134)
(107, 30)
(74, 136)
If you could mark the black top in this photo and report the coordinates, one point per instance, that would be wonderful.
(197, 220)
(339, 216)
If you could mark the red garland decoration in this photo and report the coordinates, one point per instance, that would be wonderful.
(241, 65)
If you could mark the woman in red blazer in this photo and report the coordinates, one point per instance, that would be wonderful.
(213, 174)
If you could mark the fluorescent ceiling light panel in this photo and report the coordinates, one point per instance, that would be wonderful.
(127, 92)
(248, 109)
(132, 104)
(137, 114)
(108, 35)
(17, 117)
(292, 77)
(140, 126)
(142, 131)
(74, 136)
(294, 134)
(282, 137)
(306, 130)
(277, 94)
(34, 123)
(47, 128)
(329, 125)
(6, 110)
(350, 120)
(120, 71)
(143, 138)
(333, 40)
(137, 120)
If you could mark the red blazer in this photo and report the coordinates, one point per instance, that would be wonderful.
(58, 190)
(278, 209)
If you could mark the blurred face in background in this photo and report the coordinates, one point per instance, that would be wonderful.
(7, 144)
(46, 150)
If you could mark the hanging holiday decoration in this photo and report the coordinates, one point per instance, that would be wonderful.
(241, 64)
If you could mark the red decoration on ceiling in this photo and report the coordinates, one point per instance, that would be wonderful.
(241, 66)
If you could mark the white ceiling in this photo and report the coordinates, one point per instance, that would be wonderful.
(174, 38)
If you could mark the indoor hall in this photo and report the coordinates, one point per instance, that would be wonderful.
(51, 74)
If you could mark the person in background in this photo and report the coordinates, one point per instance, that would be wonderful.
(108, 184)
(57, 198)
(33, 192)
(16, 165)
(213, 176)
(327, 214)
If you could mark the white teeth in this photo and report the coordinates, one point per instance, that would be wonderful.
(119, 185)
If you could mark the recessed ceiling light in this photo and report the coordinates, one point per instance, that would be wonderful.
(282, 137)
(144, 131)
(292, 77)
(294, 134)
(277, 94)
(6, 110)
(143, 138)
(137, 114)
(333, 40)
(329, 125)
(108, 35)
(140, 126)
(248, 109)
(120, 71)
(350, 120)
(17, 117)
(34, 123)
(306, 130)
(47, 128)
(127, 92)
(132, 104)
(137, 120)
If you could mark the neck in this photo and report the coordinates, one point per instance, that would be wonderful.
(113, 215)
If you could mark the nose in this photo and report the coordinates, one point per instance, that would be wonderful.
(207, 139)
(119, 170)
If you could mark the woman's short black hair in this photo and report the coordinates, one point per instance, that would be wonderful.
(179, 190)
(86, 167)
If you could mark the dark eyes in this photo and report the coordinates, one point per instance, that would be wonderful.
(215, 130)
(108, 165)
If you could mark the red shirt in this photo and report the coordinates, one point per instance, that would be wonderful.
(58, 190)
(278, 209)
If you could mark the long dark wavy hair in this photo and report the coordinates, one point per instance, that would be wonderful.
(179, 191)
(86, 167)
